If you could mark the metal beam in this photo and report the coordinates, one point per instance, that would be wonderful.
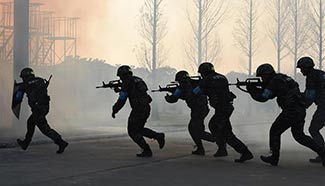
(21, 36)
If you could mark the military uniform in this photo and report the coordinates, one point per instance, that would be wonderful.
(315, 92)
(199, 110)
(39, 102)
(135, 89)
(216, 87)
(287, 92)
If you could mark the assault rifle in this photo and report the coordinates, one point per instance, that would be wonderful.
(112, 84)
(249, 81)
(169, 88)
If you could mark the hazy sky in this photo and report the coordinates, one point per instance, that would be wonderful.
(108, 30)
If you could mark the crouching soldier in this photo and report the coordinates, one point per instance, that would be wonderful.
(216, 87)
(314, 93)
(199, 109)
(135, 89)
(290, 100)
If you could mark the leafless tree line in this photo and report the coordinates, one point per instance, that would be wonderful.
(295, 27)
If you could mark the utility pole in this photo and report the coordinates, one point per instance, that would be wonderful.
(21, 36)
(21, 46)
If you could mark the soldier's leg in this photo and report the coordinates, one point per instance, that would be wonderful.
(135, 130)
(207, 136)
(31, 122)
(317, 123)
(300, 137)
(196, 129)
(52, 134)
(149, 133)
(231, 139)
(235, 143)
(47, 130)
(218, 136)
(303, 139)
(281, 124)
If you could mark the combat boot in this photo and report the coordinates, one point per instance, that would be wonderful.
(317, 159)
(199, 151)
(62, 145)
(221, 152)
(270, 159)
(22, 144)
(246, 155)
(161, 140)
(146, 152)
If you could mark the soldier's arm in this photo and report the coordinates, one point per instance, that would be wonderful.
(123, 96)
(19, 95)
(174, 97)
(261, 94)
(120, 102)
(310, 91)
(197, 90)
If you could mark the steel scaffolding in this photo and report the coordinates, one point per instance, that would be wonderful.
(6, 32)
(51, 40)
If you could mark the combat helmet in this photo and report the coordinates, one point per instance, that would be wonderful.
(181, 76)
(124, 70)
(264, 69)
(305, 62)
(206, 67)
(27, 72)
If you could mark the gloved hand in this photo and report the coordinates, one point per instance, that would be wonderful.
(170, 98)
(117, 90)
(113, 115)
(251, 88)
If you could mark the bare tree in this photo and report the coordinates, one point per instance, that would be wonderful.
(152, 29)
(150, 53)
(279, 12)
(317, 29)
(206, 43)
(245, 31)
(299, 30)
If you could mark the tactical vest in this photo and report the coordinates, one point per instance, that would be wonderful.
(197, 102)
(216, 87)
(317, 77)
(138, 93)
(286, 90)
(36, 90)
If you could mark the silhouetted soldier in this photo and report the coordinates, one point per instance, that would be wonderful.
(135, 89)
(39, 102)
(287, 92)
(216, 87)
(199, 109)
(314, 93)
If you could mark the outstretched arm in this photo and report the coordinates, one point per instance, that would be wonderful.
(119, 103)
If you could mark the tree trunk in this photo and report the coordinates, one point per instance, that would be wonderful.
(320, 34)
(155, 114)
(199, 58)
(250, 38)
